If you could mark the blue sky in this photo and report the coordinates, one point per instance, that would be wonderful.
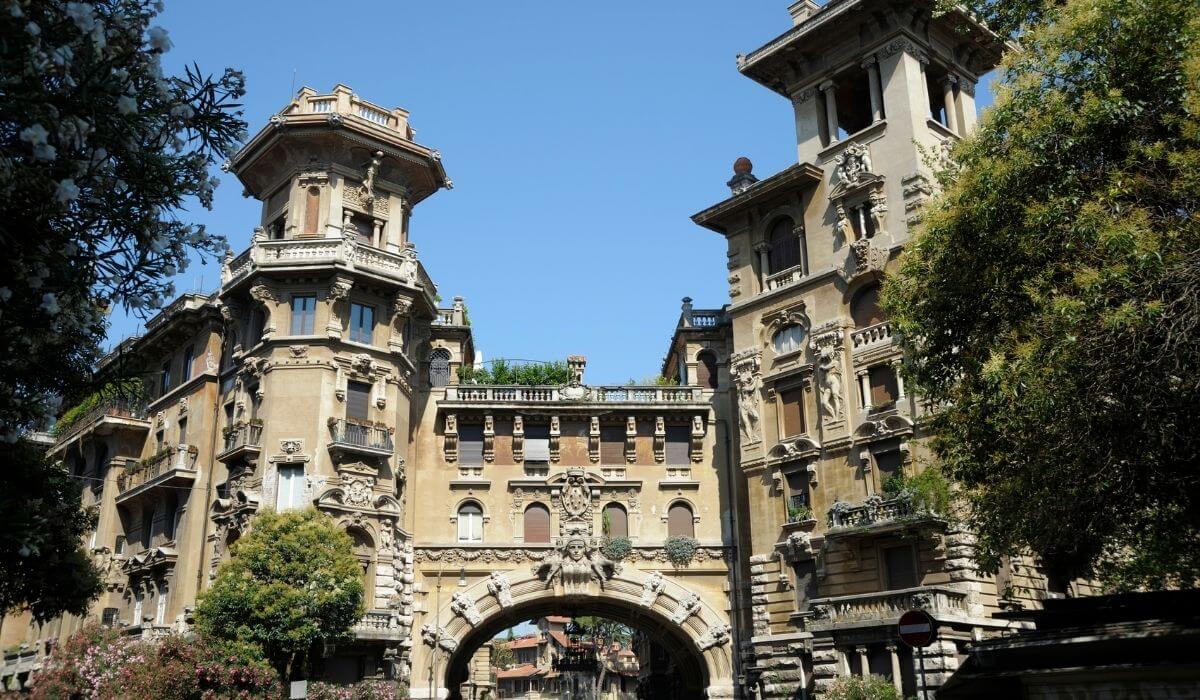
(579, 140)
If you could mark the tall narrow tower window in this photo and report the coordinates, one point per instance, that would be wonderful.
(304, 314)
(439, 367)
(362, 323)
(785, 245)
(312, 210)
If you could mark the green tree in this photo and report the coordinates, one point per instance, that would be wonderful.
(1050, 303)
(291, 586)
(42, 523)
(502, 654)
(601, 633)
(99, 153)
(860, 688)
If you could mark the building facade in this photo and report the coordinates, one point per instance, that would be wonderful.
(763, 547)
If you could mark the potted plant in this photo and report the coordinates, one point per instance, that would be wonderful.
(680, 549)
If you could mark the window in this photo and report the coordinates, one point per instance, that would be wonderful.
(183, 430)
(789, 339)
(797, 485)
(291, 486)
(109, 617)
(362, 229)
(616, 520)
(171, 518)
(312, 209)
(470, 522)
(362, 323)
(706, 369)
(901, 567)
(119, 545)
(304, 314)
(678, 443)
(865, 309)
(258, 322)
(792, 405)
(439, 367)
(358, 401)
(160, 609)
(164, 380)
(189, 359)
(612, 445)
(884, 389)
(888, 464)
(679, 520)
(537, 524)
(147, 524)
(537, 444)
(785, 250)
(470, 445)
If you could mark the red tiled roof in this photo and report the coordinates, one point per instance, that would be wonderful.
(558, 619)
(523, 642)
(522, 671)
(560, 638)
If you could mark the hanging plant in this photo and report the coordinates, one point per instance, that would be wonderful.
(616, 548)
(680, 549)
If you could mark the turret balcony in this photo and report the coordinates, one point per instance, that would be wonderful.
(243, 443)
(171, 466)
(640, 395)
(352, 437)
(884, 608)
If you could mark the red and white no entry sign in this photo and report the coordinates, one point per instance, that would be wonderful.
(917, 629)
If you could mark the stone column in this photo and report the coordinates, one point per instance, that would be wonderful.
(843, 663)
(897, 364)
(378, 237)
(948, 103)
(871, 65)
(828, 89)
(897, 680)
(764, 261)
(864, 665)
(864, 388)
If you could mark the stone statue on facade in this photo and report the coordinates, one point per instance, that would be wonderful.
(498, 586)
(853, 163)
(832, 402)
(844, 227)
(408, 263)
(575, 566)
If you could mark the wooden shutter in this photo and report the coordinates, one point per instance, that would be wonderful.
(792, 401)
(537, 443)
(901, 567)
(470, 445)
(785, 246)
(612, 444)
(883, 386)
(678, 437)
(679, 521)
(537, 524)
(618, 520)
(358, 400)
(706, 370)
(312, 209)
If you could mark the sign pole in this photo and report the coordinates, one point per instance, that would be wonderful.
(917, 629)
(921, 661)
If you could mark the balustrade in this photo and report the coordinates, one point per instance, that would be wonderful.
(871, 336)
(784, 278)
(161, 467)
(338, 252)
(114, 408)
(346, 433)
(877, 510)
(601, 394)
(884, 606)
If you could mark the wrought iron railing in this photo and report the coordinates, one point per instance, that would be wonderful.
(181, 458)
(243, 435)
(348, 432)
(876, 510)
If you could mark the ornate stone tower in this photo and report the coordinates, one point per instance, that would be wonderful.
(833, 553)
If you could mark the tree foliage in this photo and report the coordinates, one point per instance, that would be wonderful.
(503, 371)
(291, 585)
(861, 688)
(42, 523)
(1050, 304)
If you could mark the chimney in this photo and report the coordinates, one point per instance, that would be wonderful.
(802, 10)
(743, 176)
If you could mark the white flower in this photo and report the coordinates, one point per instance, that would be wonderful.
(67, 191)
(61, 56)
(32, 29)
(5, 294)
(158, 39)
(82, 15)
(34, 135)
(182, 109)
(14, 8)
(50, 303)
(126, 105)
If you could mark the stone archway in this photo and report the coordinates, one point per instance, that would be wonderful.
(697, 634)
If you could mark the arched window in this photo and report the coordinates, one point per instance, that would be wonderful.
(312, 210)
(616, 520)
(537, 524)
(785, 245)
(439, 367)
(470, 522)
(706, 369)
(679, 520)
(789, 339)
(364, 549)
(865, 309)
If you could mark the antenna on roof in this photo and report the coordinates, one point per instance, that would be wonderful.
(293, 84)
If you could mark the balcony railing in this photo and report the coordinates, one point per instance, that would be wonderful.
(871, 336)
(337, 252)
(379, 624)
(166, 466)
(358, 437)
(877, 510)
(344, 102)
(884, 607)
(786, 277)
(241, 440)
(112, 408)
(483, 393)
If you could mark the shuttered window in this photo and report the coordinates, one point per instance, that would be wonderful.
(189, 359)
(901, 567)
(706, 370)
(470, 523)
(883, 386)
(470, 445)
(109, 617)
(537, 524)
(358, 400)
(439, 366)
(612, 444)
(537, 443)
(679, 521)
(865, 309)
(792, 402)
(678, 437)
(291, 482)
(616, 520)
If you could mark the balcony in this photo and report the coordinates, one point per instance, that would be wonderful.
(381, 625)
(359, 438)
(109, 413)
(345, 103)
(19, 666)
(879, 514)
(243, 442)
(342, 253)
(481, 393)
(784, 278)
(172, 466)
(876, 336)
(886, 607)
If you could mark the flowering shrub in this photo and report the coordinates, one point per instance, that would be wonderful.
(101, 663)
(363, 690)
(859, 688)
(680, 549)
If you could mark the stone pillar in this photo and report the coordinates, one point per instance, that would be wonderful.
(897, 364)
(764, 262)
(897, 679)
(378, 237)
(864, 389)
(864, 664)
(828, 89)
(871, 65)
(948, 103)
(941, 661)
(843, 663)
